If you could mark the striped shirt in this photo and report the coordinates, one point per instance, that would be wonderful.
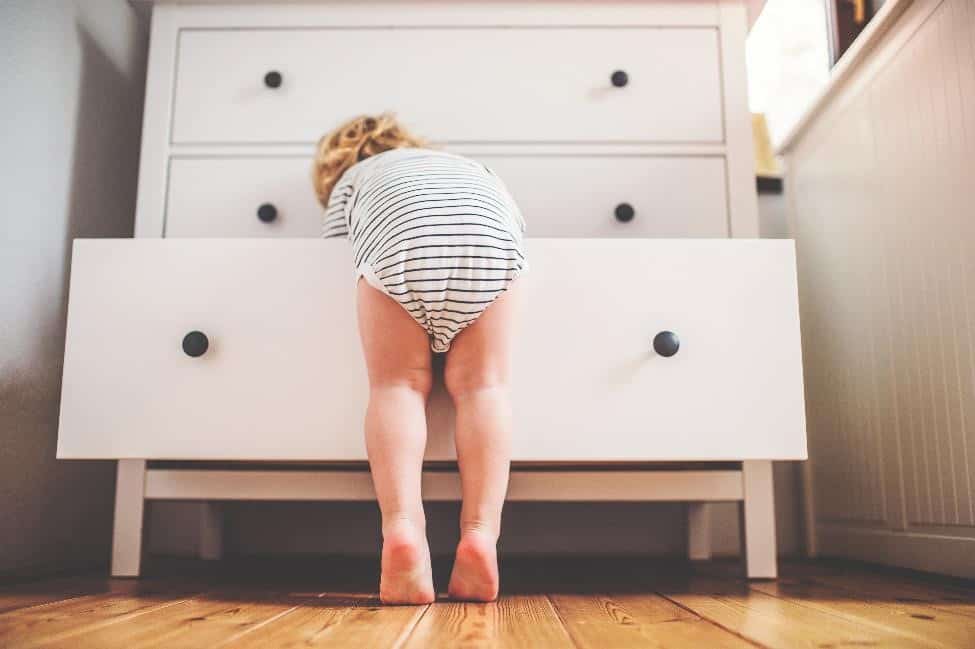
(437, 232)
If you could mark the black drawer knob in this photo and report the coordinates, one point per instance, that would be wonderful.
(273, 79)
(267, 213)
(666, 343)
(195, 344)
(619, 78)
(624, 212)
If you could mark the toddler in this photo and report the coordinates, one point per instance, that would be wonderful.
(437, 239)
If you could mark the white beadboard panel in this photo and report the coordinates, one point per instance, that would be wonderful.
(882, 211)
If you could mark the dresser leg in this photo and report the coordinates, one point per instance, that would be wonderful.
(130, 483)
(698, 532)
(211, 531)
(758, 520)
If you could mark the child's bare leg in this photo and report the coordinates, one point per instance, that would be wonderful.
(397, 353)
(477, 377)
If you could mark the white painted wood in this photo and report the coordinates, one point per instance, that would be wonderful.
(525, 485)
(810, 547)
(485, 90)
(284, 377)
(576, 196)
(422, 13)
(945, 552)
(157, 117)
(742, 197)
(127, 527)
(226, 204)
(698, 532)
(738, 370)
(758, 520)
(211, 531)
(472, 149)
(561, 196)
(886, 296)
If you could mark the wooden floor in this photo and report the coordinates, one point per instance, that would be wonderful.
(545, 603)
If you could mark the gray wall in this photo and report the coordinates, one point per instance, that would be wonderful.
(71, 107)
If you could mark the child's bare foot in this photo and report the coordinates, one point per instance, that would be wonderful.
(406, 574)
(475, 574)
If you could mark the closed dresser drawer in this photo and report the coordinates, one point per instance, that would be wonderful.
(618, 196)
(473, 84)
(248, 350)
(561, 196)
(242, 197)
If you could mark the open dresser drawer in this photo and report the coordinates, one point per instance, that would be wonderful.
(274, 369)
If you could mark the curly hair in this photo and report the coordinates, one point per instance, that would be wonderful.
(352, 142)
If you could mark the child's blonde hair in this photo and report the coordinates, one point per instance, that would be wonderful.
(354, 141)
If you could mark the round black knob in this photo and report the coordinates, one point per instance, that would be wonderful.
(624, 212)
(273, 79)
(619, 78)
(267, 213)
(666, 343)
(195, 344)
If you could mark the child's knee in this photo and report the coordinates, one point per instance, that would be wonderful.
(419, 380)
(462, 381)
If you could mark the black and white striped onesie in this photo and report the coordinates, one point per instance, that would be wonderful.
(437, 232)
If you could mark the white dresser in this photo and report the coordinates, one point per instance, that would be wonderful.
(225, 332)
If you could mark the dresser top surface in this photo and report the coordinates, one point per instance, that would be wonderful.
(754, 6)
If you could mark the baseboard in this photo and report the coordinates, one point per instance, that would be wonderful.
(946, 555)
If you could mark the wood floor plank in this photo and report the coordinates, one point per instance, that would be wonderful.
(828, 606)
(44, 622)
(202, 622)
(930, 626)
(49, 591)
(620, 609)
(632, 620)
(44, 625)
(335, 626)
(900, 588)
(779, 623)
(512, 622)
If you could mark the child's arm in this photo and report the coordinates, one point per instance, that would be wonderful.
(515, 212)
(336, 220)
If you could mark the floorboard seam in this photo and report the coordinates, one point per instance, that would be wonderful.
(97, 626)
(238, 636)
(565, 627)
(700, 616)
(856, 619)
(408, 631)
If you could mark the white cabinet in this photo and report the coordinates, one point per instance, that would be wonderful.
(622, 129)
(282, 376)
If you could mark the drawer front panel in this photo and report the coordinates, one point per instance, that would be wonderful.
(622, 196)
(451, 85)
(283, 378)
(227, 197)
(561, 196)
(591, 385)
